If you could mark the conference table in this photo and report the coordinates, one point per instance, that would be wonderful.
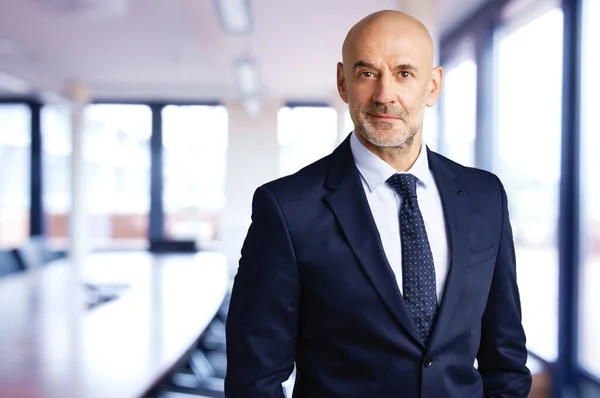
(54, 342)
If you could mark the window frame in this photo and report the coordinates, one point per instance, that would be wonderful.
(484, 24)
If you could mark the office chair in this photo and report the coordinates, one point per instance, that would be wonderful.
(205, 371)
(173, 246)
(212, 342)
(198, 379)
(9, 264)
(35, 253)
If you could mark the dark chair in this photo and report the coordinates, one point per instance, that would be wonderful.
(204, 373)
(35, 253)
(197, 379)
(173, 246)
(213, 338)
(9, 264)
(212, 341)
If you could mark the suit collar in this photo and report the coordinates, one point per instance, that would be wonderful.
(342, 162)
(376, 171)
(340, 165)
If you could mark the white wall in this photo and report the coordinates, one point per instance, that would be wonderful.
(252, 160)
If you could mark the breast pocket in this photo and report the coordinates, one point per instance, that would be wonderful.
(481, 257)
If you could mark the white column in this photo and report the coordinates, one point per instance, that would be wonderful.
(252, 160)
(78, 217)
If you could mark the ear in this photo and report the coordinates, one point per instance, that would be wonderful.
(341, 82)
(434, 88)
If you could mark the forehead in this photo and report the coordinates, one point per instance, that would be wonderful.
(392, 44)
(386, 50)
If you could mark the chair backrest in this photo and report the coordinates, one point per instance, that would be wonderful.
(173, 246)
(9, 263)
(34, 253)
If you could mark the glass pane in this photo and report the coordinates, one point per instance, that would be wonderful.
(590, 275)
(117, 154)
(56, 147)
(195, 153)
(305, 135)
(15, 147)
(529, 166)
(459, 96)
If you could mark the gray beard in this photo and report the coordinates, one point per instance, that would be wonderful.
(386, 143)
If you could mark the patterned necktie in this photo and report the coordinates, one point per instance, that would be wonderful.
(418, 271)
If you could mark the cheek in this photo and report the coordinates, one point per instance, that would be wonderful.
(413, 102)
(414, 92)
(356, 111)
(360, 94)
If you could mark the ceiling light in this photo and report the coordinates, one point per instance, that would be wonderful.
(248, 77)
(235, 15)
(89, 8)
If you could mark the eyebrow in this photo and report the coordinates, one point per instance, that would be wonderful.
(405, 66)
(363, 64)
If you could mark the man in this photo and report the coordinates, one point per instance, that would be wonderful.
(384, 269)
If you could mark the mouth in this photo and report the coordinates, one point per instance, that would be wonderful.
(384, 116)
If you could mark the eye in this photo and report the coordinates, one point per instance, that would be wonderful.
(366, 74)
(405, 75)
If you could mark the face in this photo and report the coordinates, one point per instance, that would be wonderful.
(387, 80)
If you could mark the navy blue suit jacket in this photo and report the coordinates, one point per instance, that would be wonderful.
(314, 288)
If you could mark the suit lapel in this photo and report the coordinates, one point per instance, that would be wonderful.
(456, 212)
(349, 204)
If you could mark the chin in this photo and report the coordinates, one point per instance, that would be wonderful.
(385, 139)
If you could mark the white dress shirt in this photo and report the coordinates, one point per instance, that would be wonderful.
(385, 207)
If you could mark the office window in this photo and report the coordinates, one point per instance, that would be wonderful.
(530, 70)
(117, 157)
(459, 117)
(589, 343)
(56, 158)
(15, 147)
(195, 153)
(305, 135)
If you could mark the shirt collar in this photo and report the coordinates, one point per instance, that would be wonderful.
(375, 171)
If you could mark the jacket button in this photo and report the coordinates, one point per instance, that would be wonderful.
(428, 361)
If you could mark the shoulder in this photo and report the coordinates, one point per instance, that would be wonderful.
(483, 187)
(304, 182)
(475, 178)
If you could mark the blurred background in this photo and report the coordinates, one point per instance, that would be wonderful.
(146, 125)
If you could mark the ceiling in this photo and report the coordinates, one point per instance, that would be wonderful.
(178, 50)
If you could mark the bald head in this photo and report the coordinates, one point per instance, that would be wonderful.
(388, 25)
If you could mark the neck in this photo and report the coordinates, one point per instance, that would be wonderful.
(402, 157)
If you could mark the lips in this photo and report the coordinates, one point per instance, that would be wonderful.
(384, 116)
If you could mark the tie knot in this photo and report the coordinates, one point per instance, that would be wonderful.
(404, 184)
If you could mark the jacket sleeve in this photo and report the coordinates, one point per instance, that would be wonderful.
(262, 321)
(502, 354)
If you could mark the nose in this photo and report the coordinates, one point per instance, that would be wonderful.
(384, 90)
